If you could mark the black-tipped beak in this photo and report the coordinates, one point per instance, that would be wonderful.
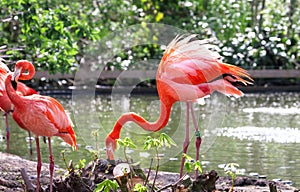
(14, 84)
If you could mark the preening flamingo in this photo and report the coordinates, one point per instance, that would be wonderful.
(42, 115)
(5, 103)
(188, 70)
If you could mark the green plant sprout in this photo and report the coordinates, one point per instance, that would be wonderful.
(80, 164)
(190, 164)
(150, 142)
(63, 154)
(231, 170)
(140, 188)
(95, 134)
(106, 186)
(126, 143)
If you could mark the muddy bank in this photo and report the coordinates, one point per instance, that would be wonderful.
(11, 179)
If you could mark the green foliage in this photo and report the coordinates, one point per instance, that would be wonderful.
(126, 142)
(150, 142)
(190, 164)
(163, 140)
(63, 156)
(81, 164)
(166, 140)
(55, 35)
(140, 188)
(106, 186)
(95, 134)
(231, 170)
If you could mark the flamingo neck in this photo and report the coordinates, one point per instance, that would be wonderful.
(11, 92)
(165, 110)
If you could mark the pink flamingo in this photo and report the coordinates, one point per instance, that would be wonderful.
(188, 70)
(5, 103)
(42, 115)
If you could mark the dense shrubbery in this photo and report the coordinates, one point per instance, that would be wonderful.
(254, 34)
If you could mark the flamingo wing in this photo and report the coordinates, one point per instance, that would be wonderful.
(60, 120)
(25, 90)
(190, 69)
(2, 79)
(191, 61)
(45, 116)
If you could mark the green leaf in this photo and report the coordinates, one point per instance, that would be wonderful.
(166, 140)
(126, 142)
(106, 186)
(159, 16)
(187, 157)
(198, 166)
(188, 166)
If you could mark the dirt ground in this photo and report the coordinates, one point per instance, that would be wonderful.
(11, 179)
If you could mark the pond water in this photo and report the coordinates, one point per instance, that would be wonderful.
(260, 132)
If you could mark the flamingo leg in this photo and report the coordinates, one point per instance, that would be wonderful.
(7, 132)
(39, 163)
(30, 145)
(198, 136)
(51, 165)
(187, 138)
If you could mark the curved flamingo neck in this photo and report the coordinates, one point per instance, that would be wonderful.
(27, 69)
(165, 110)
(11, 92)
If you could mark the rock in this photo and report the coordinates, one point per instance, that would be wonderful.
(10, 172)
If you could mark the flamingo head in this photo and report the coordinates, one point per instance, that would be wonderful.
(20, 70)
(110, 147)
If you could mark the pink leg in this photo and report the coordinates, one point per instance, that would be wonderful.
(187, 138)
(30, 145)
(39, 163)
(198, 136)
(7, 132)
(51, 166)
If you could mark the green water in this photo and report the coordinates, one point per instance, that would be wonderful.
(260, 132)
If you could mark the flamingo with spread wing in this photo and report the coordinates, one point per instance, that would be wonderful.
(189, 70)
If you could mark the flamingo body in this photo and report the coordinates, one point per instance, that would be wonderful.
(45, 117)
(42, 115)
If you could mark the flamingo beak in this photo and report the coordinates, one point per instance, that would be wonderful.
(16, 74)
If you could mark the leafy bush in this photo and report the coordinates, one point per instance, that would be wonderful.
(55, 34)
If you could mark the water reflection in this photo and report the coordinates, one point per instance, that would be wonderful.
(273, 110)
(260, 132)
